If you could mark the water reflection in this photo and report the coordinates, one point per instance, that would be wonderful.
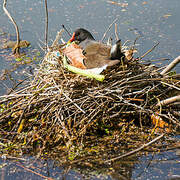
(154, 166)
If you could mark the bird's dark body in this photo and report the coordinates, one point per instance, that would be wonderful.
(97, 54)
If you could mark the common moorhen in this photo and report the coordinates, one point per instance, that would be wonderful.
(97, 54)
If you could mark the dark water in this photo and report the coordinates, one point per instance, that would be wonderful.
(156, 21)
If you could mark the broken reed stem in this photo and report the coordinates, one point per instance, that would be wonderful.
(46, 25)
(169, 101)
(58, 36)
(171, 65)
(134, 44)
(16, 48)
(136, 150)
(116, 32)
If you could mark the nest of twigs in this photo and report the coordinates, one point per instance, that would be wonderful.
(59, 107)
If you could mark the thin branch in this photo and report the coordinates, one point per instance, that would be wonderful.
(108, 29)
(149, 50)
(171, 85)
(16, 48)
(136, 150)
(73, 103)
(171, 65)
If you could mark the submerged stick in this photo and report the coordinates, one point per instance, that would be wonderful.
(136, 150)
(16, 48)
(34, 172)
(171, 65)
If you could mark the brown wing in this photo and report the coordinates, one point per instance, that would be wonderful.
(98, 55)
(98, 48)
(97, 60)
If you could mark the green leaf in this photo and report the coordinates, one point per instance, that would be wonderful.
(82, 71)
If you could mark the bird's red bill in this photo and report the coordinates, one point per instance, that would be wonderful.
(73, 37)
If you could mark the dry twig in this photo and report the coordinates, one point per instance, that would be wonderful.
(108, 29)
(16, 48)
(150, 50)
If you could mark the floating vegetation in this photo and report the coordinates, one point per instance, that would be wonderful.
(62, 111)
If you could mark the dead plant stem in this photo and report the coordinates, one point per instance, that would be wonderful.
(108, 29)
(150, 50)
(16, 48)
(171, 65)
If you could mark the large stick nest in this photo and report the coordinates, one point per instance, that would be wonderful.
(59, 107)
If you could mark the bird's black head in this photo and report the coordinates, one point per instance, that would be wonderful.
(81, 34)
